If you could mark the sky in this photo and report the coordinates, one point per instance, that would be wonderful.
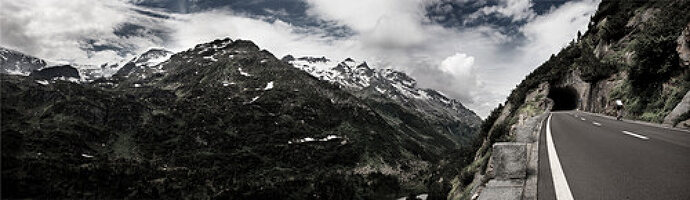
(475, 51)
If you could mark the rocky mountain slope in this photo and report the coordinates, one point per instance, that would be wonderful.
(633, 51)
(221, 120)
(381, 86)
(14, 62)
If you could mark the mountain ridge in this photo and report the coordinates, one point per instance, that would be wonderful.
(377, 84)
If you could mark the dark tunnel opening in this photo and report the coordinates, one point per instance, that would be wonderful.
(564, 98)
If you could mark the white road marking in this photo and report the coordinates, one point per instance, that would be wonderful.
(596, 123)
(560, 184)
(636, 135)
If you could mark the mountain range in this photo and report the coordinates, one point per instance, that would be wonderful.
(224, 119)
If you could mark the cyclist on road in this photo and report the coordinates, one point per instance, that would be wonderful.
(619, 109)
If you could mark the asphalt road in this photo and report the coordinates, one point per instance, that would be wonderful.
(601, 158)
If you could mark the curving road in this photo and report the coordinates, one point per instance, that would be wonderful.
(595, 157)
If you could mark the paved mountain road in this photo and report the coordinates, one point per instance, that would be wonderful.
(601, 158)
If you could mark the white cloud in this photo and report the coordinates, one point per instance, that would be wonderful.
(460, 65)
(279, 37)
(384, 24)
(464, 76)
(364, 15)
(58, 30)
(548, 33)
(515, 9)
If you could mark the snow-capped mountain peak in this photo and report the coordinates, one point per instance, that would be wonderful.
(363, 80)
(17, 63)
(152, 57)
(147, 60)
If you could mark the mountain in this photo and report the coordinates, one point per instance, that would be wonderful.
(225, 120)
(380, 86)
(147, 60)
(14, 62)
(635, 52)
(56, 72)
(17, 63)
(144, 61)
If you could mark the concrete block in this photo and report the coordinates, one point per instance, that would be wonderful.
(505, 183)
(509, 160)
(502, 190)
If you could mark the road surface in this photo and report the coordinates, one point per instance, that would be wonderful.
(601, 158)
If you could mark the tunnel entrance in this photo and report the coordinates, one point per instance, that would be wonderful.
(564, 98)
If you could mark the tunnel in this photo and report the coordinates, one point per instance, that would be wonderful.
(564, 98)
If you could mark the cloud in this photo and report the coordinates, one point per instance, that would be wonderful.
(515, 9)
(280, 37)
(463, 74)
(69, 31)
(548, 33)
(478, 65)
(458, 65)
(383, 24)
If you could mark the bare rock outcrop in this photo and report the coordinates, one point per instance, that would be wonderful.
(680, 109)
(683, 47)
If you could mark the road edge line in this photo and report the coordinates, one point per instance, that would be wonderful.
(560, 184)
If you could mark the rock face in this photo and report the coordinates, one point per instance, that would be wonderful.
(681, 109)
(684, 46)
(222, 120)
(56, 72)
(14, 62)
(595, 96)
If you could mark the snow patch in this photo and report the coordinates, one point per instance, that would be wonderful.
(269, 86)
(421, 196)
(17, 71)
(211, 58)
(382, 91)
(70, 79)
(310, 139)
(253, 100)
(315, 66)
(445, 101)
(42, 82)
(227, 83)
(158, 60)
(243, 73)
(423, 94)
